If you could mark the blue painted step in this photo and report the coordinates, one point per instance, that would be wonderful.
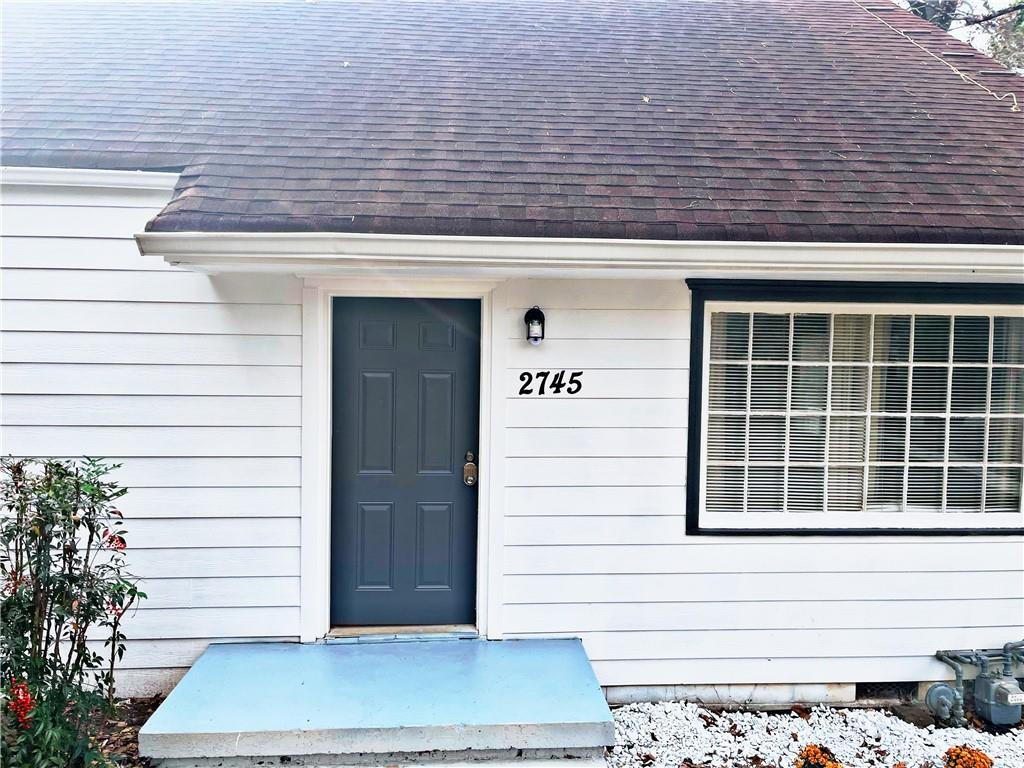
(274, 699)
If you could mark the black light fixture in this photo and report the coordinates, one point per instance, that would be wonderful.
(534, 320)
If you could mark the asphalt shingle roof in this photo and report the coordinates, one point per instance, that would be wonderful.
(801, 120)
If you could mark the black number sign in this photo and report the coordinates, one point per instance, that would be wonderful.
(548, 384)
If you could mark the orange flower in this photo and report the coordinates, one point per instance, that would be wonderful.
(816, 756)
(966, 757)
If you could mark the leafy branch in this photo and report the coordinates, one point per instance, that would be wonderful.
(65, 588)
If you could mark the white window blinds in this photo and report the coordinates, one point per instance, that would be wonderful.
(853, 412)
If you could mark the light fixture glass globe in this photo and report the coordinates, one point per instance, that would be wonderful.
(534, 332)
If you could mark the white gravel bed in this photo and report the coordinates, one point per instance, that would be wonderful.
(668, 735)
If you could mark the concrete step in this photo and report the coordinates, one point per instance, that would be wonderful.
(383, 702)
(589, 758)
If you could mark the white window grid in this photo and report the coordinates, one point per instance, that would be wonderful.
(869, 413)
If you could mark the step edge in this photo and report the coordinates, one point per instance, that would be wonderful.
(342, 741)
(590, 757)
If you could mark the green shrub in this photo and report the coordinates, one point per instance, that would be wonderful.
(65, 588)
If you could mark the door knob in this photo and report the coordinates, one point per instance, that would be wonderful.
(469, 469)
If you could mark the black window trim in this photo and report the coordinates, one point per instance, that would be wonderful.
(703, 290)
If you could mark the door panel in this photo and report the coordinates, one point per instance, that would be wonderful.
(405, 395)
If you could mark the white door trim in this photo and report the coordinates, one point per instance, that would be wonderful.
(315, 559)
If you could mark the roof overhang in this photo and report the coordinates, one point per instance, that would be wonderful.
(316, 254)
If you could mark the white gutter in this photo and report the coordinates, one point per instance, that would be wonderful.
(324, 253)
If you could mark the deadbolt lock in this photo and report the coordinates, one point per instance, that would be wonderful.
(469, 469)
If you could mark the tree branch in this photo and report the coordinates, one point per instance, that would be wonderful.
(933, 10)
(971, 20)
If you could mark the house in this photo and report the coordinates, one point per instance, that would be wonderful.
(279, 259)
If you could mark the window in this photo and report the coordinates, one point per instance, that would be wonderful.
(856, 414)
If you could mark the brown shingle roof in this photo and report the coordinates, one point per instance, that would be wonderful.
(731, 119)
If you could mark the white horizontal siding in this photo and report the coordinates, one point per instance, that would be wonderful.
(192, 382)
(154, 441)
(766, 556)
(216, 592)
(582, 413)
(823, 613)
(201, 532)
(579, 528)
(599, 353)
(121, 379)
(151, 348)
(141, 317)
(751, 665)
(595, 442)
(598, 294)
(220, 561)
(110, 254)
(196, 503)
(792, 643)
(151, 410)
(54, 221)
(178, 287)
(665, 589)
(176, 623)
(603, 470)
(191, 472)
(589, 501)
(634, 527)
(594, 528)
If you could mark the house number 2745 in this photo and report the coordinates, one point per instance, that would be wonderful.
(551, 382)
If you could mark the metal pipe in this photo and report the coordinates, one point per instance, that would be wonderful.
(1009, 656)
(1016, 657)
(961, 657)
(951, 659)
(982, 663)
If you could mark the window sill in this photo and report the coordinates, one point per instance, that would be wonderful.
(796, 524)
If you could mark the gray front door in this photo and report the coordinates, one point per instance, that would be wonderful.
(405, 394)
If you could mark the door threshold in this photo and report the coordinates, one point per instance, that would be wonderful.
(405, 631)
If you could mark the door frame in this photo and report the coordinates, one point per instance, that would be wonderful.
(315, 536)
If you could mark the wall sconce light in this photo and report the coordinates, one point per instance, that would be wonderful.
(534, 320)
